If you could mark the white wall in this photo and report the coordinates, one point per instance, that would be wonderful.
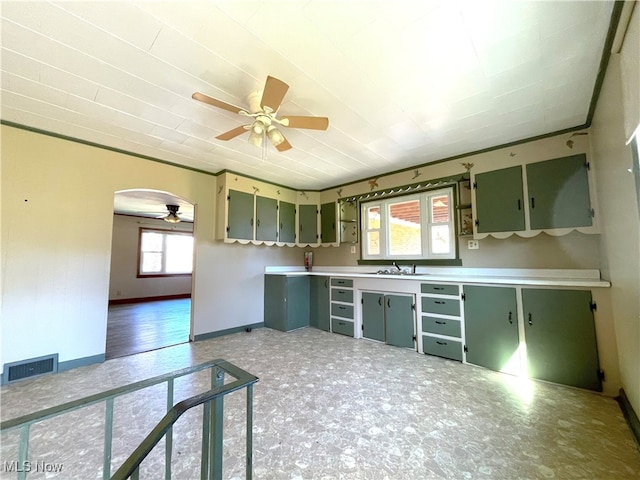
(123, 281)
(55, 273)
(621, 225)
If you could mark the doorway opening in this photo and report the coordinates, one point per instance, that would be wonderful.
(151, 276)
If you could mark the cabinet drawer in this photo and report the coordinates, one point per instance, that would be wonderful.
(341, 282)
(343, 327)
(442, 348)
(342, 295)
(440, 289)
(443, 306)
(441, 326)
(344, 311)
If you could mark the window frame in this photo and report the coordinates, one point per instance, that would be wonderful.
(165, 233)
(426, 226)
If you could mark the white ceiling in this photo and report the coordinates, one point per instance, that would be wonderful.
(402, 82)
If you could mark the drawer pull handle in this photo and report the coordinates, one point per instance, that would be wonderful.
(441, 343)
(438, 288)
(439, 302)
(341, 307)
(341, 323)
(441, 323)
(341, 292)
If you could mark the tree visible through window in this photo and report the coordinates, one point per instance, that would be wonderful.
(165, 253)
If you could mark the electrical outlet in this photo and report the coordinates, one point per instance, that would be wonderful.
(353, 249)
(473, 245)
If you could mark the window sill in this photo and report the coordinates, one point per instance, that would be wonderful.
(446, 262)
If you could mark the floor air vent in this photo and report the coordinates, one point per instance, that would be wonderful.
(30, 368)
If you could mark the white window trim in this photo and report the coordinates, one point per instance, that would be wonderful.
(163, 272)
(425, 222)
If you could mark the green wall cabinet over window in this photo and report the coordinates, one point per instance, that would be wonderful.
(266, 219)
(320, 316)
(388, 318)
(287, 232)
(559, 193)
(491, 325)
(308, 224)
(286, 302)
(328, 222)
(499, 201)
(560, 337)
(240, 219)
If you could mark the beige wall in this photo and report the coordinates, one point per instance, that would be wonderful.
(56, 230)
(123, 278)
(620, 244)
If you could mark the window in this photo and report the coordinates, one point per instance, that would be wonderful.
(418, 226)
(165, 253)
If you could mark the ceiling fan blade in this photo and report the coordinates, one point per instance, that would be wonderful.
(285, 145)
(232, 133)
(274, 92)
(314, 123)
(201, 97)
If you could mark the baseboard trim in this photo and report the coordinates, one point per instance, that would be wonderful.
(630, 415)
(68, 365)
(228, 331)
(120, 301)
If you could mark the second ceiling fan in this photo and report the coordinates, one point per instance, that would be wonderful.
(263, 110)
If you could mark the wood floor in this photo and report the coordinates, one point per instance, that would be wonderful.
(140, 327)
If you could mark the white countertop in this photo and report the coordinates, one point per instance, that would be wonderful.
(497, 276)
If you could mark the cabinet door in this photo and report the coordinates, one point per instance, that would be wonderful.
(319, 303)
(266, 219)
(560, 337)
(308, 224)
(491, 327)
(297, 302)
(275, 302)
(240, 215)
(399, 323)
(287, 222)
(559, 193)
(373, 316)
(500, 201)
(328, 222)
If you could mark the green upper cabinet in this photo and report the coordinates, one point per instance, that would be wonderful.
(287, 222)
(560, 337)
(266, 219)
(240, 215)
(320, 303)
(491, 327)
(559, 193)
(500, 201)
(328, 222)
(307, 224)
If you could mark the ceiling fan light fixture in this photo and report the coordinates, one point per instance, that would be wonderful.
(258, 127)
(172, 217)
(274, 135)
(255, 138)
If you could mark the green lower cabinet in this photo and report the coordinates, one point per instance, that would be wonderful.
(560, 337)
(442, 347)
(343, 327)
(399, 325)
(373, 316)
(286, 302)
(319, 314)
(491, 327)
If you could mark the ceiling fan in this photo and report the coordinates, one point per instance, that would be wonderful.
(263, 110)
(172, 217)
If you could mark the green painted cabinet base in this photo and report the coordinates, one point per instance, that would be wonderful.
(286, 302)
(319, 314)
(442, 347)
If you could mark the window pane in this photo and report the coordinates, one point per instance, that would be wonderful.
(151, 262)
(440, 209)
(373, 217)
(373, 243)
(404, 228)
(440, 240)
(179, 254)
(151, 242)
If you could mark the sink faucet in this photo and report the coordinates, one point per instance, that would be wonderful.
(395, 264)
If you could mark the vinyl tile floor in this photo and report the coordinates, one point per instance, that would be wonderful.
(332, 407)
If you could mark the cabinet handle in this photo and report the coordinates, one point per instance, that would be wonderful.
(530, 321)
(533, 202)
(519, 206)
(258, 223)
(438, 288)
(341, 292)
(441, 343)
(440, 323)
(340, 282)
(341, 323)
(341, 307)
(510, 320)
(326, 283)
(439, 302)
(388, 302)
(251, 222)
(281, 226)
(380, 301)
